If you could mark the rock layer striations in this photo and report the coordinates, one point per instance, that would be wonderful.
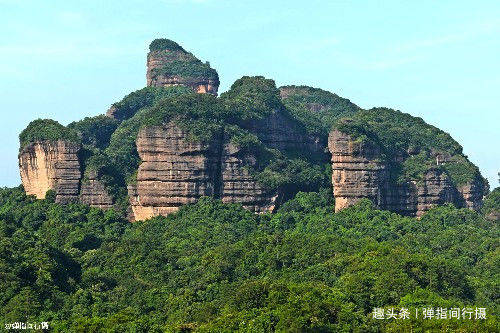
(257, 132)
(359, 171)
(51, 165)
(171, 65)
(176, 171)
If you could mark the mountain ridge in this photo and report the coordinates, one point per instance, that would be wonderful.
(267, 143)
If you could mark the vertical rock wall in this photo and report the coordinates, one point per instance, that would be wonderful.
(173, 172)
(238, 186)
(472, 194)
(436, 189)
(357, 172)
(48, 165)
(94, 193)
(159, 59)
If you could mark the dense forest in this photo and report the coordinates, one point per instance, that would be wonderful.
(216, 267)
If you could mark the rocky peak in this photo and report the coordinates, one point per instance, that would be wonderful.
(168, 64)
(255, 145)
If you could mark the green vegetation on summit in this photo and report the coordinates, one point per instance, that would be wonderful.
(181, 63)
(46, 129)
(317, 109)
(402, 135)
(133, 102)
(191, 68)
(203, 117)
(162, 44)
(95, 132)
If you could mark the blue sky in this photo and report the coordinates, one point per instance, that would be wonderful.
(438, 60)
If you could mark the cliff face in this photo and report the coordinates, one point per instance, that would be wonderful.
(359, 172)
(48, 165)
(291, 125)
(176, 171)
(238, 186)
(93, 192)
(279, 132)
(163, 71)
(436, 189)
(472, 194)
(173, 172)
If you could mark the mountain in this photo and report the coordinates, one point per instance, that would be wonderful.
(175, 141)
(330, 249)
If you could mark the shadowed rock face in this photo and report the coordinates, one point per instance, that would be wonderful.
(358, 172)
(159, 60)
(437, 189)
(238, 186)
(472, 194)
(93, 193)
(48, 165)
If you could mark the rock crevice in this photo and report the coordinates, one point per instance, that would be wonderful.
(175, 171)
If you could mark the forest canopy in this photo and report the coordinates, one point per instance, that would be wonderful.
(218, 267)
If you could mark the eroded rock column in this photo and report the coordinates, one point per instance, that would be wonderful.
(357, 171)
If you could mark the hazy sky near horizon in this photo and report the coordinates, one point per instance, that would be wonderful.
(438, 60)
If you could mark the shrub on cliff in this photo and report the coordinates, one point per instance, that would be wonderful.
(95, 131)
(181, 63)
(198, 114)
(317, 109)
(191, 68)
(145, 97)
(46, 129)
(111, 148)
(399, 133)
(492, 203)
(162, 44)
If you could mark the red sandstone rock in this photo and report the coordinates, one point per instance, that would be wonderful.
(160, 59)
(48, 165)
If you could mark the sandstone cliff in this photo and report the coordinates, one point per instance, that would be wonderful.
(239, 186)
(171, 66)
(176, 171)
(93, 192)
(173, 172)
(436, 189)
(258, 132)
(48, 165)
(359, 171)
